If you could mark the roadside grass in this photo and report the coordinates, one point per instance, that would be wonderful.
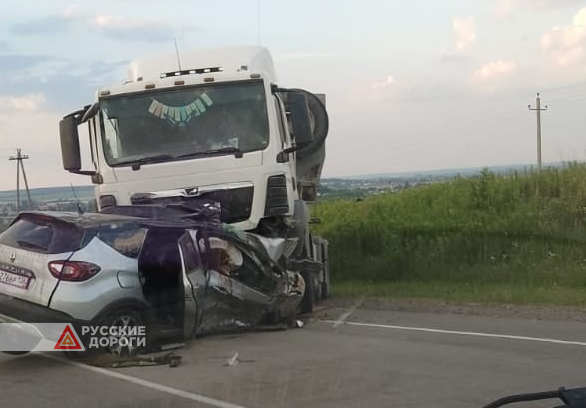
(518, 238)
(489, 294)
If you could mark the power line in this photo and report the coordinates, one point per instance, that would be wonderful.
(20, 166)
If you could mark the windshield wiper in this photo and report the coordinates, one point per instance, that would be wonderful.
(224, 150)
(136, 163)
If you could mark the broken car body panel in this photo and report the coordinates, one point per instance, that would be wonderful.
(168, 264)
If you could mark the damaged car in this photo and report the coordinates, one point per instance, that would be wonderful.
(176, 276)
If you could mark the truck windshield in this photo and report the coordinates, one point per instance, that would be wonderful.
(184, 123)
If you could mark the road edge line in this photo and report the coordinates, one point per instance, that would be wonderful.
(147, 384)
(461, 333)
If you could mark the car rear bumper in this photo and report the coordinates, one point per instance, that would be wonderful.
(13, 310)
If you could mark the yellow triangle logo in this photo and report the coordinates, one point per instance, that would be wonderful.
(67, 340)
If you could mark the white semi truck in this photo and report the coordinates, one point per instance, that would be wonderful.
(212, 124)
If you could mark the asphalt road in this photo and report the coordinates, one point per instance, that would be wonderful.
(374, 359)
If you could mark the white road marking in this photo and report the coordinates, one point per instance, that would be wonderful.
(462, 333)
(147, 384)
(344, 316)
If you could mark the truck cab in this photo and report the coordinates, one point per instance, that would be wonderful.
(206, 125)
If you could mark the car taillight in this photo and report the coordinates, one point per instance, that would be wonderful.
(73, 271)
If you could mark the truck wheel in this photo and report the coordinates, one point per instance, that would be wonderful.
(308, 301)
(318, 292)
(325, 285)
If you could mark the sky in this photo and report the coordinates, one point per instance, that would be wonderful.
(411, 85)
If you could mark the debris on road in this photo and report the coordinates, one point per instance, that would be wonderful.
(342, 319)
(108, 360)
(170, 358)
(232, 361)
(235, 359)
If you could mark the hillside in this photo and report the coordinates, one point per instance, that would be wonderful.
(49, 194)
(517, 237)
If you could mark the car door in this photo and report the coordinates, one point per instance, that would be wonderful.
(238, 299)
(192, 286)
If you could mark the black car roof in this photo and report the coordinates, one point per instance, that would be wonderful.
(83, 220)
(102, 219)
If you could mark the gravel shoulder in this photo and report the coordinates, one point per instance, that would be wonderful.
(534, 312)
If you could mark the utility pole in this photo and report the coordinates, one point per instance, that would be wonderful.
(20, 166)
(538, 110)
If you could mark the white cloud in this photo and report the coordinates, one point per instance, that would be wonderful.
(464, 28)
(115, 26)
(375, 92)
(73, 11)
(504, 9)
(384, 84)
(22, 103)
(567, 44)
(133, 29)
(493, 71)
(111, 22)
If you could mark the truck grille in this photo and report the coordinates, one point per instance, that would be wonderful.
(235, 203)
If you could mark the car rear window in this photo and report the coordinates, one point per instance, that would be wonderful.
(126, 241)
(42, 234)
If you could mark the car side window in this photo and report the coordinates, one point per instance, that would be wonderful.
(128, 242)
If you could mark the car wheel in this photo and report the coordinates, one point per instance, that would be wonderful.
(125, 319)
(308, 301)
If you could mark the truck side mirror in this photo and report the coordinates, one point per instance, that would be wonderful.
(300, 118)
(70, 151)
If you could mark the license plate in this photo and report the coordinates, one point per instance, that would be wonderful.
(14, 280)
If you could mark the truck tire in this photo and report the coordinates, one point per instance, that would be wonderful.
(308, 301)
(325, 285)
(318, 292)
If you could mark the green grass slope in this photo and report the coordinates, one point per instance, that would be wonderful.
(515, 238)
